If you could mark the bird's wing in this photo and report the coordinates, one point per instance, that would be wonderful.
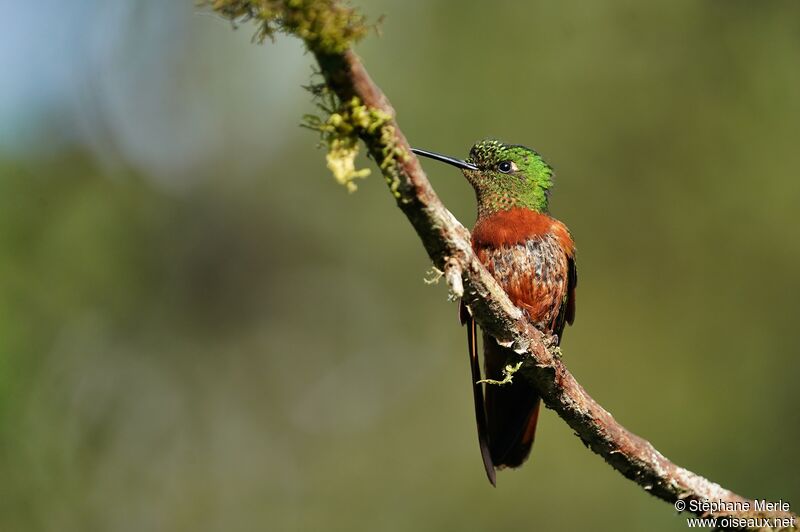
(567, 312)
(572, 283)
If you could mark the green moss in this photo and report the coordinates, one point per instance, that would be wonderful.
(392, 154)
(329, 26)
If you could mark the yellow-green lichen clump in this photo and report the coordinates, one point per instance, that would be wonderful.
(327, 26)
(340, 135)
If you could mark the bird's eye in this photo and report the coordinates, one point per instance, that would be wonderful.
(505, 166)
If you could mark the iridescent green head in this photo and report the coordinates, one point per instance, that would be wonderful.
(504, 176)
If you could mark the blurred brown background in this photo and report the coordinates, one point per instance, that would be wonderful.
(200, 330)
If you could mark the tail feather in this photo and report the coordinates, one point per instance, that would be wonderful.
(477, 392)
(512, 410)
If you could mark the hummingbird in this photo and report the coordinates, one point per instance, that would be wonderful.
(532, 257)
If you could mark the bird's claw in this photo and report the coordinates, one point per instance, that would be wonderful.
(552, 340)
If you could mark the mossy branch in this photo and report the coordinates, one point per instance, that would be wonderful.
(325, 26)
(328, 28)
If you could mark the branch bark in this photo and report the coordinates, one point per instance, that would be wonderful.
(448, 245)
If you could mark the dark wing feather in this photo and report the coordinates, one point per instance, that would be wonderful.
(567, 312)
(572, 283)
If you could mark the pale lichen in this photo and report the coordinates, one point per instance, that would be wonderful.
(341, 159)
(433, 276)
(508, 375)
(555, 351)
(341, 130)
(453, 274)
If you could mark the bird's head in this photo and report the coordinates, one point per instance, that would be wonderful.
(504, 176)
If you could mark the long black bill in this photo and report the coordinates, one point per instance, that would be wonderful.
(458, 163)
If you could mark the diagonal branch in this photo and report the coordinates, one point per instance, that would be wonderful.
(448, 245)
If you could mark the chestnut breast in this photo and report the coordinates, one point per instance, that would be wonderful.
(528, 253)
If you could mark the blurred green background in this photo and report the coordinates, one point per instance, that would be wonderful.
(200, 330)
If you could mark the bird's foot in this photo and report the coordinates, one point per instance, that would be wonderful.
(551, 340)
(508, 375)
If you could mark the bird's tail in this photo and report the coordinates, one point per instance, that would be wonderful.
(477, 390)
(512, 409)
